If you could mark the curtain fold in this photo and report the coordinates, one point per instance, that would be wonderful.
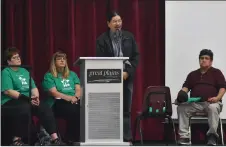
(38, 28)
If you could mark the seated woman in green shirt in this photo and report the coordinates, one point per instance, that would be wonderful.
(16, 103)
(63, 86)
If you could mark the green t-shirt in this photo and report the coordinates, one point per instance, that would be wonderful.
(15, 80)
(65, 86)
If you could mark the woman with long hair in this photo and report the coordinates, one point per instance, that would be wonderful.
(63, 86)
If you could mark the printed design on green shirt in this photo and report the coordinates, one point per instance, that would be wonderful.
(66, 84)
(23, 82)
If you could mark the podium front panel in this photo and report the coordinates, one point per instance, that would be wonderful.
(103, 101)
(106, 108)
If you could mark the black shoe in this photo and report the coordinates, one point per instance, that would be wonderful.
(57, 142)
(44, 140)
(212, 140)
(184, 141)
(18, 142)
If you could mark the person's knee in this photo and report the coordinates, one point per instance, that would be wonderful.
(180, 108)
(73, 110)
(213, 108)
(23, 110)
(45, 110)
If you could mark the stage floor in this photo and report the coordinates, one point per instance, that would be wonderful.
(161, 143)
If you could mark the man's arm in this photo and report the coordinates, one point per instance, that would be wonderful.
(218, 97)
(134, 60)
(221, 85)
(99, 49)
(185, 88)
(187, 84)
(221, 93)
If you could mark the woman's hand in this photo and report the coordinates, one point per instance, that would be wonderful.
(35, 100)
(74, 100)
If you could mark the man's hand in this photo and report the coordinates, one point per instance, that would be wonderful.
(213, 100)
(35, 100)
(125, 75)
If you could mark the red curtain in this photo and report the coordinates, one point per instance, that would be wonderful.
(40, 27)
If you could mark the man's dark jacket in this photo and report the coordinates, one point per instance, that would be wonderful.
(104, 48)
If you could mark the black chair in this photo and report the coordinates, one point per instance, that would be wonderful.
(30, 116)
(156, 98)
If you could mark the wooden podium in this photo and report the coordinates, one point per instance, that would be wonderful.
(101, 119)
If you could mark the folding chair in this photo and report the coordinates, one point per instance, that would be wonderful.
(205, 115)
(157, 98)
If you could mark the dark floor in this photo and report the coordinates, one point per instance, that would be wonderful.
(195, 140)
(161, 143)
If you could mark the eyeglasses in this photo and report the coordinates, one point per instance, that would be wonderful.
(16, 57)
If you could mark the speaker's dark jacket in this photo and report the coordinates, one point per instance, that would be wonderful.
(104, 48)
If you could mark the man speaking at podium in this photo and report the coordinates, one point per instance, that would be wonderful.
(119, 43)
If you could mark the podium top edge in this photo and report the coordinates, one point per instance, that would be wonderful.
(79, 60)
(104, 58)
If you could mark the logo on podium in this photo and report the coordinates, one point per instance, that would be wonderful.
(104, 76)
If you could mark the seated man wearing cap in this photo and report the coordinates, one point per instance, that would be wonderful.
(209, 84)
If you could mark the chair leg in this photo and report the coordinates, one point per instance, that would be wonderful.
(165, 132)
(174, 130)
(189, 126)
(221, 132)
(141, 133)
(29, 128)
